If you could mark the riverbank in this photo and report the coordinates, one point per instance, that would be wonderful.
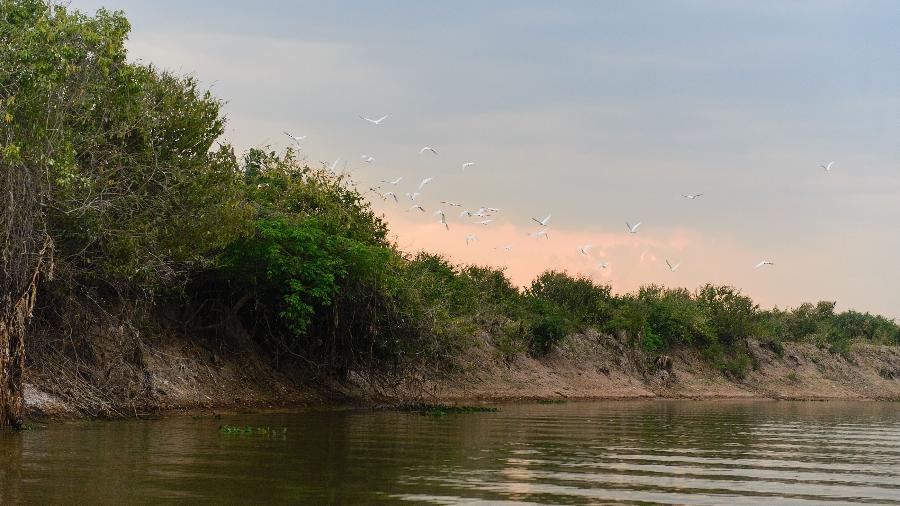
(122, 374)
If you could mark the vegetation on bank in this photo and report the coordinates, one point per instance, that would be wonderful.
(130, 197)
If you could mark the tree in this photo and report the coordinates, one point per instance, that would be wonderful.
(106, 169)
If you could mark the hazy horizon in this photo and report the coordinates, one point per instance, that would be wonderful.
(599, 113)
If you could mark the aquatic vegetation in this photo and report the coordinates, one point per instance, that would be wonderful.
(446, 409)
(237, 429)
(552, 401)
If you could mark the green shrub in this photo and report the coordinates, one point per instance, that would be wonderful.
(773, 345)
(737, 366)
(586, 303)
(548, 324)
(512, 339)
(675, 316)
(729, 313)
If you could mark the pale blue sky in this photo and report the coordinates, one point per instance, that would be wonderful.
(598, 112)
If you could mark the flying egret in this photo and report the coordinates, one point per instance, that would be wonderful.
(451, 204)
(672, 268)
(440, 212)
(467, 165)
(394, 182)
(412, 196)
(827, 166)
(762, 263)
(543, 222)
(334, 165)
(632, 229)
(603, 265)
(390, 194)
(471, 238)
(465, 213)
(540, 233)
(416, 206)
(295, 138)
(692, 196)
(586, 249)
(367, 158)
(424, 182)
(427, 148)
(375, 121)
(484, 222)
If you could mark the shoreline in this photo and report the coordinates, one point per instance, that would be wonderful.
(585, 367)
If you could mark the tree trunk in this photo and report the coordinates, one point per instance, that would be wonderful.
(16, 313)
(12, 362)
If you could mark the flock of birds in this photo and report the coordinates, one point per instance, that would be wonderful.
(483, 215)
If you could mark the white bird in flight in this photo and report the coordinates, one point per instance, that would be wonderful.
(672, 268)
(390, 194)
(484, 222)
(692, 196)
(467, 165)
(762, 263)
(440, 212)
(543, 222)
(424, 182)
(540, 233)
(417, 206)
(334, 165)
(603, 265)
(586, 249)
(827, 166)
(394, 182)
(452, 204)
(295, 138)
(632, 229)
(367, 158)
(413, 195)
(375, 121)
(471, 238)
(427, 148)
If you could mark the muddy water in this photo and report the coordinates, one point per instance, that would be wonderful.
(685, 452)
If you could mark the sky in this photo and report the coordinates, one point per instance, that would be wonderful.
(596, 112)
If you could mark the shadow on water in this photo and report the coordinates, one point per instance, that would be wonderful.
(576, 453)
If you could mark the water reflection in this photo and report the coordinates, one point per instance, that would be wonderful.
(577, 453)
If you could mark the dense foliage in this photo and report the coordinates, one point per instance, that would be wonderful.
(141, 202)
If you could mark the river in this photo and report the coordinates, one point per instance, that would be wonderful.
(684, 452)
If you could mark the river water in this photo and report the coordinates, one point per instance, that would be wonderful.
(684, 452)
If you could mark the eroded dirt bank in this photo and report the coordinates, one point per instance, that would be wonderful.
(119, 372)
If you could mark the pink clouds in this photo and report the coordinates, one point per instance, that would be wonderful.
(633, 259)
